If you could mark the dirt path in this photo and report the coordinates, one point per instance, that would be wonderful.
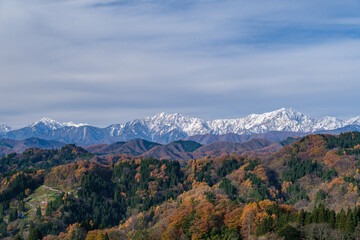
(32, 206)
(50, 188)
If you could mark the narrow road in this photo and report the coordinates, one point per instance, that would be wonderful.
(32, 206)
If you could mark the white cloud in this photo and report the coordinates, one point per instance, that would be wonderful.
(213, 59)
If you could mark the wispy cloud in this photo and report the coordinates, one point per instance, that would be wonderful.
(111, 61)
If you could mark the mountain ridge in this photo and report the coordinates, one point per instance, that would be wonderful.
(8, 146)
(182, 150)
(165, 128)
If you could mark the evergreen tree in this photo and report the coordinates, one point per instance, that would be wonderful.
(106, 237)
(341, 220)
(38, 212)
(315, 215)
(21, 206)
(2, 229)
(265, 226)
(350, 222)
(35, 234)
(320, 196)
(31, 224)
(1, 210)
(227, 186)
(13, 214)
(332, 218)
(308, 219)
(301, 217)
(321, 213)
(289, 233)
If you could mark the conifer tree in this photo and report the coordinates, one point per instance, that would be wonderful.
(321, 213)
(332, 218)
(308, 219)
(350, 222)
(38, 212)
(13, 214)
(35, 234)
(341, 221)
(301, 217)
(1, 210)
(21, 206)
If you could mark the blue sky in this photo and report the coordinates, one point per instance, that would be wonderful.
(104, 62)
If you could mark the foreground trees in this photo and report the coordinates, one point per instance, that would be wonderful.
(301, 192)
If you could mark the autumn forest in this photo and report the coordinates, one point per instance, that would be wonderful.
(309, 189)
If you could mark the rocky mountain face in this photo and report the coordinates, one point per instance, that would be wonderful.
(4, 129)
(165, 128)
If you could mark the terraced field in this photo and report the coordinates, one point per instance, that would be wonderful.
(41, 197)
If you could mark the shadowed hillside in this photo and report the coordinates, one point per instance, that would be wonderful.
(8, 146)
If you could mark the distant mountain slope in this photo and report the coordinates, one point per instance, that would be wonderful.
(248, 146)
(83, 135)
(185, 146)
(43, 158)
(274, 136)
(134, 147)
(165, 128)
(337, 131)
(8, 146)
(105, 148)
(174, 150)
(137, 147)
(222, 148)
(180, 150)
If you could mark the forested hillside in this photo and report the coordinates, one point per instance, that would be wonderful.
(307, 190)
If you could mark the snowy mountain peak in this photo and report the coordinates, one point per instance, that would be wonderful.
(283, 119)
(49, 123)
(174, 118)
(53, 125)
(5, 128)
(161, 115)
(353, 121)
(284, 112)
(164, 127)
(167, 116)
(165, 123)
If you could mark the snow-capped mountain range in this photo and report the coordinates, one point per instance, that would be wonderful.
(53, 125)
(5, 128)
(164, 128)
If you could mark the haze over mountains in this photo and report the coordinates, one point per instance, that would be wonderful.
(165, 128)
